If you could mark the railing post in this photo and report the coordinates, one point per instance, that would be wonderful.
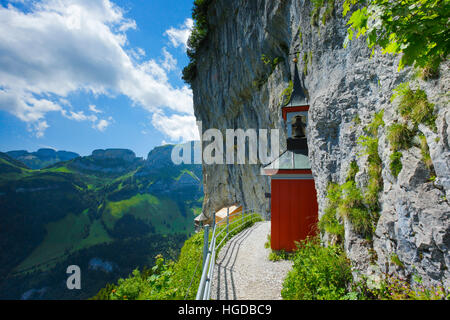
(205, 243)
(228, 219)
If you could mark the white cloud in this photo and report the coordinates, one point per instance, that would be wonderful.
(58, 47)
(39, 127)
(102, 125)
(181, 35)
(80, 116)
(169, 63)
(94, 109)
(179, 128)
(99, 124)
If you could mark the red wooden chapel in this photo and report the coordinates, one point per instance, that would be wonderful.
(294, 210)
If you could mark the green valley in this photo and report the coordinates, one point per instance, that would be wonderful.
(88, 209)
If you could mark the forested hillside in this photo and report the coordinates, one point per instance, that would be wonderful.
(109, 209)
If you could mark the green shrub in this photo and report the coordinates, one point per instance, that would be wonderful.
(370, 148)
(425, 151)
(394, 288)
(430, 70)
(286, 94)
(197, 38)
(329, 221)
(277, 255)
(414, 106)
(375, 124)
(347, 201)
(353, 170)
(353, 208)
(396, 163)
(399, 136)
(318, 273)
(352, 198)
(168, 279)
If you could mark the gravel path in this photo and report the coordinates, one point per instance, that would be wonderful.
(243, 270)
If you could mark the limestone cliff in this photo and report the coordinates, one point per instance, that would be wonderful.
(234, 88)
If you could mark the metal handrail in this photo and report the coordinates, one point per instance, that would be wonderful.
(204, 287)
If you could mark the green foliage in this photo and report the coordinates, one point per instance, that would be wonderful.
(396, 260)
(287, 93)
(399, 136)
(418, 29)
(165, 280)
(104, 293)
(197, 38)
(329, 221)
(377, 122)
(190, 71)
(349, 202)
(307, 56)
(279, 255)
(352, 206)
(268, 61)
(414, 106)
(168, 279)
(318, 273)
(267, 243)
(430, 70)
(396, 163)
(66, 210)
(425, 151)
(300, 38)
(354, 169)
(325, 273)
(271, 62)
(370, 147)
(393, 288)
(315, 14)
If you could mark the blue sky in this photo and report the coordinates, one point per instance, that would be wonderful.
(80, 75)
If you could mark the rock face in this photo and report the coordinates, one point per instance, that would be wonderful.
(234, 88)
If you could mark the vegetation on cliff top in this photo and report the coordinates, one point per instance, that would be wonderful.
(197, 38)
(418, 29)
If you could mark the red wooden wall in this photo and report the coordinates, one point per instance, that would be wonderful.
(294, 212)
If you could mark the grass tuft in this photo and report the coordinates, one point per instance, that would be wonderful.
(396, 163)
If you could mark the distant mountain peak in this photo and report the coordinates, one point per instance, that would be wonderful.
(124, 154)
(41, 158)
